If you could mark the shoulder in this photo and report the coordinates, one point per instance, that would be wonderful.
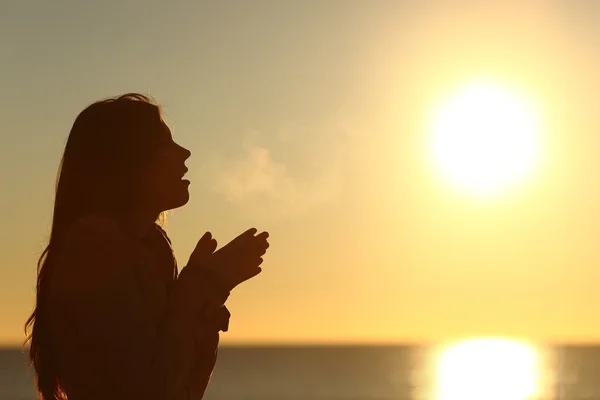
(94, 247)
(96, 235)
(92, 227)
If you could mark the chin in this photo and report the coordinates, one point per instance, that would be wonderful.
(177, 197)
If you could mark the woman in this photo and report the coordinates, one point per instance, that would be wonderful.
(113, 318)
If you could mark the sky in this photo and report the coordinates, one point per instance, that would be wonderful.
(308, 119)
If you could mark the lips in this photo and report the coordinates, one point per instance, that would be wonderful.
(183, 173)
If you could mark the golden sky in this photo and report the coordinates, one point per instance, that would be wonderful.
(309, 119)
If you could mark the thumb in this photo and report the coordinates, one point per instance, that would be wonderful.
(204, 248)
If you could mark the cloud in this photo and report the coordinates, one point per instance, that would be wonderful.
(308, 174)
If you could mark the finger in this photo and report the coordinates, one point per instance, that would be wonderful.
(260, 239)
(262, 236)
(254, 250)
(258, 262)
(244, 236)
(212, 246)
(257, 249)
(206, 236)
(253, 273)
(204, 248)
(250, 232)
(262, 247)
(203, 251)
(204, 240)
(262, 244)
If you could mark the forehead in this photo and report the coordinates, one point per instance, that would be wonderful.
(164, 132)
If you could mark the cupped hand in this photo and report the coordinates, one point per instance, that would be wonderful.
(240, 259)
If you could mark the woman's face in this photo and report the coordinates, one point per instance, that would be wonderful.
(165, 187)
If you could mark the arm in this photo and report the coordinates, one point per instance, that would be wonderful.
(225, 269)
(206, 345)
(206, 357)
(108, 343)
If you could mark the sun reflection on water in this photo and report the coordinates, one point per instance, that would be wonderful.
(488, 368)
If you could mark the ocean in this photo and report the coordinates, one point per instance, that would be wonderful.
(370, 373)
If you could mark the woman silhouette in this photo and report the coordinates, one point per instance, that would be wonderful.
(113, 318)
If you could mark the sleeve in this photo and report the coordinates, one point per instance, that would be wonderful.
(109, 346)
(206, 357)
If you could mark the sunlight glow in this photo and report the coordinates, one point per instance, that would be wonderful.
(490, 369)
(485, 138)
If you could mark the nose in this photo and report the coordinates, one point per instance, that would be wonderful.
(185, 153)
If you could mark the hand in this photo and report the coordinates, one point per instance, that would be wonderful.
(240, 259)
(205, 247)
(198, 261)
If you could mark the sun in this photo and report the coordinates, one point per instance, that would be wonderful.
(490, 369)
(485, 138)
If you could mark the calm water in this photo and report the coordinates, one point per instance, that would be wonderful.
(355, 373)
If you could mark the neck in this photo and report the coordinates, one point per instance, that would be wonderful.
(139, 223)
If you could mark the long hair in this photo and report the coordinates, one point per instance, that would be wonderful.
(109, 145)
